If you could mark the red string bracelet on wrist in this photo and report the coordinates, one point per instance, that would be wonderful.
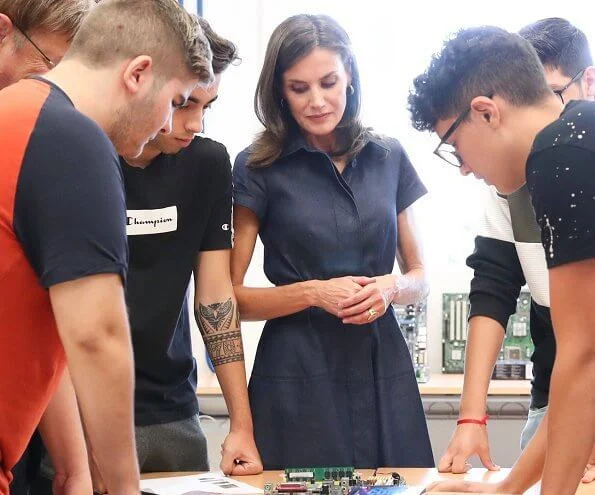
(482, 421)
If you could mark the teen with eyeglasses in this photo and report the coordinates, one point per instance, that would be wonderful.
(504, 124)
(507, 255)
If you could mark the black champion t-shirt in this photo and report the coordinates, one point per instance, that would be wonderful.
(176, 207)
(561, 180)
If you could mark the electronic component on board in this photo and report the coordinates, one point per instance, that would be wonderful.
(336, 481)
(514, 358)
(412, 321)
(318, 474)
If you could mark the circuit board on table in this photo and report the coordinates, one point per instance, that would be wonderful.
(336, 481)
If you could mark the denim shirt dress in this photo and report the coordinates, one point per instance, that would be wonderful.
(324, 393)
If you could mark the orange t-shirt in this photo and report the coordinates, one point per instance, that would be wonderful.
(62, 217)
(31, 355)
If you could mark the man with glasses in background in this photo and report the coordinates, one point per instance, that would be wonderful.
(487, 96)
(508, 254)
(34, 35)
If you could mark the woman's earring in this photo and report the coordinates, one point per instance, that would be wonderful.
(282, 103)
(350, 89)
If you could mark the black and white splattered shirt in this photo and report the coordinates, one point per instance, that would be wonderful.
(561, 180)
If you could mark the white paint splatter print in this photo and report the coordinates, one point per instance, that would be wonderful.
(551, 231)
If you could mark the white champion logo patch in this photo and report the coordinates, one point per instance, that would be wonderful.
(225, 226)
(143, 222)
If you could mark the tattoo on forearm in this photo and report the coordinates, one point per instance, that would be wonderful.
(220, 332)
(225, 348)
(216, 317)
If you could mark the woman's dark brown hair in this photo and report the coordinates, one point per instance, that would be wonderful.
(292, 40)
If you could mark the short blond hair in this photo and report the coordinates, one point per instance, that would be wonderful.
(120, 29)
(52, 16)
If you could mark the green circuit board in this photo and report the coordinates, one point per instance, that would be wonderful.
(318, 473)
(517, 345)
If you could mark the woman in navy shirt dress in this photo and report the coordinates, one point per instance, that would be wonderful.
(332, 383)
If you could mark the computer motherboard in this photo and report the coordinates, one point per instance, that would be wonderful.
(336, 481)
(517, 348)
(412, 321)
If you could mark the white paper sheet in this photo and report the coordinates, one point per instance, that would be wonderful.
(198, 484)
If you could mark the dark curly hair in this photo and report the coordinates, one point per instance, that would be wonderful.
(224, 51)
(477, 61)
(559, 45)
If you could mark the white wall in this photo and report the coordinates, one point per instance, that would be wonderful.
(392, 47)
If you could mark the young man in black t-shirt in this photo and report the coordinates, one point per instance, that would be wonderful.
(178, 195)
(487, 98)
(508, 253)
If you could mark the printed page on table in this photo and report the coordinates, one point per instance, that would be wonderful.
(198, 484)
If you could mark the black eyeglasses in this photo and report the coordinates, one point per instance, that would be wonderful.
(46, 59)
(576, 77)
(447, 151)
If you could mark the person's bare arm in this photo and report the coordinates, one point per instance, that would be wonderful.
(412, 285)
(497, 280)
(484, 340)
(529, 467)
(589, 475)
(265, 303)
(524, 474)
(63, 437)
(92, 322)
(218, 319)
(571, 425)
